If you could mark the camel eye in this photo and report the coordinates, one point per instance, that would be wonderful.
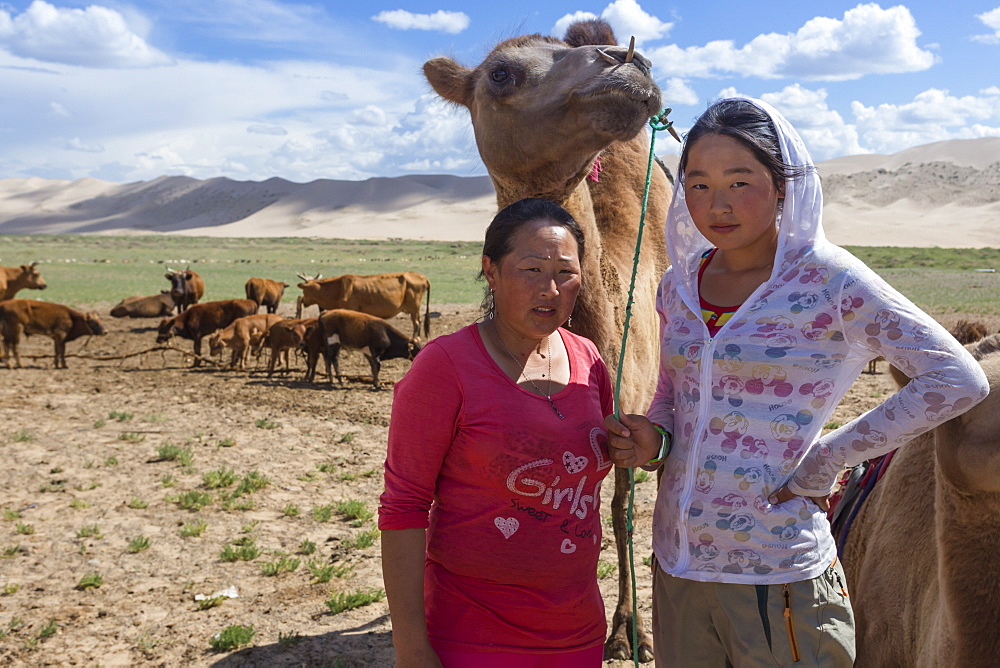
(499, 75)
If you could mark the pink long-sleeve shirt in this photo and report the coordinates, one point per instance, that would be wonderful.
(510, 494)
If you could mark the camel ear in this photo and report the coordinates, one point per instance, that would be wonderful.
(901, 378)
(449, 80)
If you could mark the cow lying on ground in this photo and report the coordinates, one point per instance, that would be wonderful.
(265, 292)
(285, 336)
(377, 339)
(382, 295)
(156, 306)
(240, 336)
(200, 320)
(58, 322)
(15, 279)
(186, 287)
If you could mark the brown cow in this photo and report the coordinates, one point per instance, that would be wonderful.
(265, 292)
(240, 336)
(285, 336)
(58, 322)
(200, 320)
(186, 287)
(381, 295)
(15, 279)
(374, 337)
(156, 306)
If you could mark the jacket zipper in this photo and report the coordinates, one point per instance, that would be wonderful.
(789, 623)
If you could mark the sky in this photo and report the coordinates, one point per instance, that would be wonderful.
(255, 89)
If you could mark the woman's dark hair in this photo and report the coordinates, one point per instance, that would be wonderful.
(751, 126)
(500, 234)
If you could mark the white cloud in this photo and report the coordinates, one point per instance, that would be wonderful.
(265, 129)
(823, 130)
(626, 17)
(933, 115)
(76, 144)
(94, 37)
(443, 21)
(868, 40)
(991, 20)
(676, 91)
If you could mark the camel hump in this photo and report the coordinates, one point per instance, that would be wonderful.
(594, 31)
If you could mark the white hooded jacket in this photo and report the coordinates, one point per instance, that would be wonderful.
(746, 408)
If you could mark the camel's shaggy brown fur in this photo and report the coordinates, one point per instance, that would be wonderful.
(543, 111)
(970, 332)
(922, 556)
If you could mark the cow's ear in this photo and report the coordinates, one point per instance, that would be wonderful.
(450, 80)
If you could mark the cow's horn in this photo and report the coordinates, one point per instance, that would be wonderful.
(631, 50)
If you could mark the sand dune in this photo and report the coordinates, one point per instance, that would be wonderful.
(943, 194)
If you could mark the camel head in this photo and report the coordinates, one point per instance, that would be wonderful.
(542, 109)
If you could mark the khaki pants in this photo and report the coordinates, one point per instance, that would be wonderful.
(715, 624)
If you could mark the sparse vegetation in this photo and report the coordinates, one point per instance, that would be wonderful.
(90, 581)
(281, 565)
(307, 547)
(324, 573)
(232, 637)
(193, 500)
(221, 478)
(25, 529)
(121, 416)
(227, 443)
(10, 588)
(364, 539)
(264, 423)
(193, 529)
(131, 437)
(79, 504)
(291, 510)
(89, 531)
(22, 436)
(138, 544)
(605, 569)
(48, 630)
(355, 511)
(137, 504)
(169, 452)
(340, 602)
(322, 513)
(241, 551)
(212, 602)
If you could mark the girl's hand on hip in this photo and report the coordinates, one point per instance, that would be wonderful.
(785, 494)
(633, 441)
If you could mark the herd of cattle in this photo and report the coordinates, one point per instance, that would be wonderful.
(352, 311)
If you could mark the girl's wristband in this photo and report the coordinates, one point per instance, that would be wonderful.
(666, 443)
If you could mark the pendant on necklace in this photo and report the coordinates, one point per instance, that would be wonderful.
(554, 409)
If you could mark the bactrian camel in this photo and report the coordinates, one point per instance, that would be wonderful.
(544, 111)
(923, 555)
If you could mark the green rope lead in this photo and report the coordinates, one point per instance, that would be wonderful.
(657, 123)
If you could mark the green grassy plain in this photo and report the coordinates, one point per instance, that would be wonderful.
(89, 269)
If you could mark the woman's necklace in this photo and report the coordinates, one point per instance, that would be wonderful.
(552, 404)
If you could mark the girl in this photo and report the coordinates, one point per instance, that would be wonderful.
(765, 325)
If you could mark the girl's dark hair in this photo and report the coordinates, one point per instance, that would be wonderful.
(500, 234)
(751, 126)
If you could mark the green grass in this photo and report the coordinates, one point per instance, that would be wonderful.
(341, 602)
(138, 544)
(90, 581)
(169, 452)
(193, 529)
(108, 268)
(232, 637)
(354, 510)
(83, 270)
(279, 566)
(221, 478)
(193, 500)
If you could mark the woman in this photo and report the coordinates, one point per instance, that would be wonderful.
(490, 516)
(765, 325)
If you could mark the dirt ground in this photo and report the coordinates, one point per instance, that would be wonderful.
(84, 475)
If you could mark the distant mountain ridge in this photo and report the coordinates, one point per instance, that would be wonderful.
(946, 194)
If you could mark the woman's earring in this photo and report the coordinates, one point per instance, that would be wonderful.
(569, 322)
(491, 306)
